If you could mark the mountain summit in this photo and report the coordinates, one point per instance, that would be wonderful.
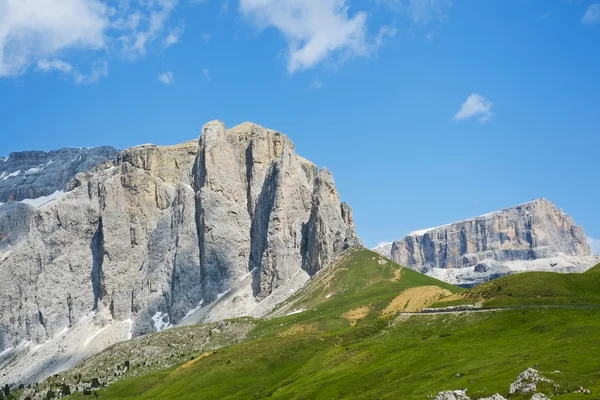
(226, 226)
(534, 236)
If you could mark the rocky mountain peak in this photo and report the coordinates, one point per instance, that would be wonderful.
(227, 225)
(530, 236)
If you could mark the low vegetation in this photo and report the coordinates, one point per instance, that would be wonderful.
(339, 342)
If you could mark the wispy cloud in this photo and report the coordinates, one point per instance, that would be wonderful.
(207, 37)
(421, 11)
(54, 65)
(594, 245)
(592, 14)
(476, 106)
(316, 84)
(224, 8)
(35, 32)
(173, 36)
(206, 73)
(98, 70)
(314, 30)
(167, 78)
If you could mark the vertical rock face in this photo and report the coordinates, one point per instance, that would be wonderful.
(159, 232)
(256, 204)
(496, 244)
(33, 174)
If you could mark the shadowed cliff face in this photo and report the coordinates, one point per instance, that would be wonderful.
(33, 174)
(162, 230)
(529, 232)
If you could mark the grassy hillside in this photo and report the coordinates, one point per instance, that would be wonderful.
(349, 344)
(535, 288)
(594, 269)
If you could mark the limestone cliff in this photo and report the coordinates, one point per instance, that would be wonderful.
(531, 236)
(161, 234)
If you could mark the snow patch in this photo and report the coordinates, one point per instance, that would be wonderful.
(88, 340)
(34, 170)
(193, 310)
(5, 351)
(159, 321)
(44, 200)
(5, 176)
(222, 294)
(247, 275)
(296, 312)
(61, 332)
(49, 162)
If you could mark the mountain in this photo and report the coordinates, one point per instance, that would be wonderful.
(37, 174)
(226, 226)
(354, 332)
(534, 236)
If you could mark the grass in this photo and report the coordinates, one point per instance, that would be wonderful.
(535, 289)
(594, 269)
(318, 354)
(540, 288)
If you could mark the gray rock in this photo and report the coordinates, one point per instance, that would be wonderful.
(453, 395)
(527, 382)
(146, 239)
(33, 174)
(539, 396)
(494, 397)
(497, 244)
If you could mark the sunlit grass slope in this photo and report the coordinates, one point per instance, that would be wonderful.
(344, 346)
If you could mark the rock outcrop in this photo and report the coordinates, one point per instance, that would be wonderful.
(162, 234)
(33, 174)
(531, 236)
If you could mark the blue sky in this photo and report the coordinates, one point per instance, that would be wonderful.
(426, 111)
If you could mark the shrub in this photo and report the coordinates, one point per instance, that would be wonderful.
(65, 389)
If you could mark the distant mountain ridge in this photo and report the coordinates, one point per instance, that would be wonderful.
(535, 236)
(34, 174)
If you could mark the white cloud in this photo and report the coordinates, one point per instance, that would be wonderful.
(54, 65)
(475, 106)
(142, 25)
(206, 73)
(35, 31)
(382, 244)
(313, 29)
(173, 36)
(167, 78)
(592, 14)
(207, 37)
(594, 245)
